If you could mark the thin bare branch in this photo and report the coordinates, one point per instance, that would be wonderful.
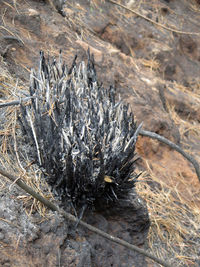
(174, 146)
(16, 102)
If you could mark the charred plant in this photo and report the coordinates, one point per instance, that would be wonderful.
(82, 138)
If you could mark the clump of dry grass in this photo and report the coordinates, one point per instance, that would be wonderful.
(185, 124)
(153, 64)
(9, 158)
(32, 176)
(191, 127)
(175, 222)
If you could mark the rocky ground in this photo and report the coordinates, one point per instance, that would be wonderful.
(150, 51)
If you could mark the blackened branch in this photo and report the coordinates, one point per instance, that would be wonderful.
(15, 102)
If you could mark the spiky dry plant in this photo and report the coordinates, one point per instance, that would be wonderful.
(79, 135)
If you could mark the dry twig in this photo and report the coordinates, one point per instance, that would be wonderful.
(174, 146)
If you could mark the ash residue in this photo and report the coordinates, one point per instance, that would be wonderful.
(80, 136)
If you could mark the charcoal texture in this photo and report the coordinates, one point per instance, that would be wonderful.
(82, 138)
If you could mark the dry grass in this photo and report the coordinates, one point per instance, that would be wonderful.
(189, 126)
(9, 158)
(175, 222)
(32, 177)
(184, 126)
(193, 92)
(152, 64)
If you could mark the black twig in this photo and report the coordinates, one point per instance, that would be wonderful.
(16, 102)
(174, 146)
(72, 218)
